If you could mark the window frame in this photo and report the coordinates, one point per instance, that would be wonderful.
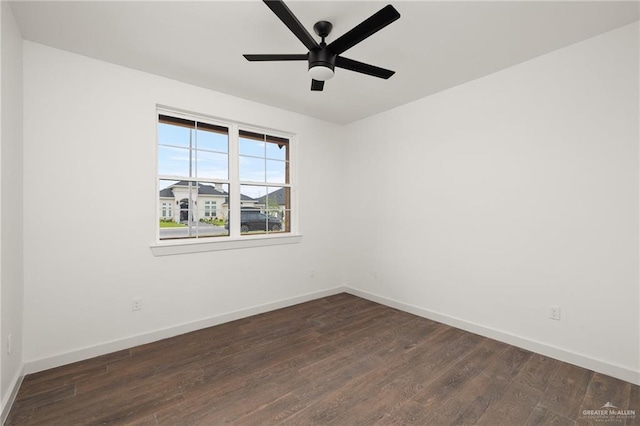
(235, 239)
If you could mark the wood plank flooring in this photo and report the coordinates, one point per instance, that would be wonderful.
(339, 360)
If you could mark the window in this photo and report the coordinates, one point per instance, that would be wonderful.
(166, 212)
(209, 209)
(218, 179)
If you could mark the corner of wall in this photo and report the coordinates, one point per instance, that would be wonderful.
(10, 397)
(11, 210)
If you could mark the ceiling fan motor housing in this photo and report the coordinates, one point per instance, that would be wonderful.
(322, 57)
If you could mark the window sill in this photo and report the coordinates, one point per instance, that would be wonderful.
(169, 248)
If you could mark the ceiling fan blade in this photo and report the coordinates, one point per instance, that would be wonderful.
(361, 67)
(317, 85)
(366, 28)
(276, 57)
(289, 19)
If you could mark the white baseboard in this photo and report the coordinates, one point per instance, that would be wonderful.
(129, 342)
(600, 366)
(7, 401)
(580, 360)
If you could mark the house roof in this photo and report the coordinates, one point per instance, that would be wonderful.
(276, 196)
(203, 189)
(166, 193)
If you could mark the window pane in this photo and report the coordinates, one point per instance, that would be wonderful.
(174, 135)
(212, 141)
(276, 171)
(187, 201)
(211, 165)
(277, 198)
(251, 194)
(251, 147)
(277, 204)
(213, 208)
(173, 161)
(205, 229)
(262, 209)
(276, 151)
(252, 169)
(175, 194)
(167, 204)
(250, 222)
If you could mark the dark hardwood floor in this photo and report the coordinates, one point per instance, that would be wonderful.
(338, 360)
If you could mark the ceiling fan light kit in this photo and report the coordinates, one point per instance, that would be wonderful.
(323, 58)
(320, 72)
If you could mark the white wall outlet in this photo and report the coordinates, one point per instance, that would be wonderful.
(312, 273)
(9, 343)
(375, 274)
(554, 312)
(136, 304)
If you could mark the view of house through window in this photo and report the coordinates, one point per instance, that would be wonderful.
(201, 183)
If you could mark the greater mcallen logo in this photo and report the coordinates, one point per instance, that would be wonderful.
(609, 412)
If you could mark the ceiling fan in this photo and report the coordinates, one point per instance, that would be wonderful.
(324, 58)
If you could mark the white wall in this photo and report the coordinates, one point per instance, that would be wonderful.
(511, 193)
(11, 279)
(89, 133)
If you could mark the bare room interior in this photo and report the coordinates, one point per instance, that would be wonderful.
(319, 212)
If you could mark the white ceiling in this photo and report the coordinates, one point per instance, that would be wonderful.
(432, 47)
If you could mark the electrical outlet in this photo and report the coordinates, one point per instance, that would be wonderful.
(312, 273)
(375, 274)
(554, 312)
(9, 343)
(136, 304)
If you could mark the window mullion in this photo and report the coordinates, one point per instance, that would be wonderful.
(234, 185)
(191, 154)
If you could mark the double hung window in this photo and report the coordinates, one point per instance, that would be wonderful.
(221, 180)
